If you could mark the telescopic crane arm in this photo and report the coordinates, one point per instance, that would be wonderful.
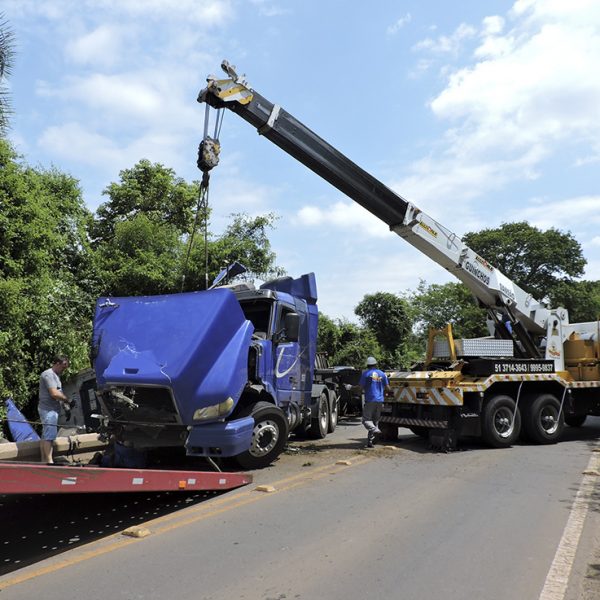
(493, 289)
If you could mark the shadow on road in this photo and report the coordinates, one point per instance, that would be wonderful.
(36, 527)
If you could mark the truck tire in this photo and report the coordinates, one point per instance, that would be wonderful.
(500, 422)
(320, 423)
(541, 421)
(333, 413)
(575, 420)
(268, 437)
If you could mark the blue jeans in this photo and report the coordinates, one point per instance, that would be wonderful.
(49, 419)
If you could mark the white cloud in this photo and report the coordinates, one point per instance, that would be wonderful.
(99, 47)
(537, 87)
(73, 142)
(493, 25)
(128, 95)
(399, 24)
(344, 215)
(207, 13)
(570, 213)
(530, 91)
(445, 44)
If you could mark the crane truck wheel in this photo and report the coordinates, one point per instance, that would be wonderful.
(542, 421)
(320, 422)
(500, 422)
(333, 413)
(268, 436)
(575, 420)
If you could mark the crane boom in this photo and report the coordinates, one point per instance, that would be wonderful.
(492, 288)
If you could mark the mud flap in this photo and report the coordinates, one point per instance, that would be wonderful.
(443, 440)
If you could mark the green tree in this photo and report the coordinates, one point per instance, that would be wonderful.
(328, 336)
(436, 305)
(580, 298)
(244, 240)
(45, 304)
(354, 345)
(387, 316)
(149, 189)
(6, 60)
(142, 232)
(142, 258)
(536, 260)
(346, 343)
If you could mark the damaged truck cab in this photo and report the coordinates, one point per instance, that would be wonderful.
(226, 372)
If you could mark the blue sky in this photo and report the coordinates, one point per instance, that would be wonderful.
(478, 112)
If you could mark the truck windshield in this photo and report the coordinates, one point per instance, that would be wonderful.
(259, 313)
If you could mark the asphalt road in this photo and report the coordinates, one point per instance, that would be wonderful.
(399, 522)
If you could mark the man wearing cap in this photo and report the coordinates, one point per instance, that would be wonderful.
(374, 383)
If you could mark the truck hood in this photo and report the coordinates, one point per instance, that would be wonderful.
(195, 343)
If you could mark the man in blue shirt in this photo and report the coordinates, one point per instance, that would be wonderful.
(373, 383)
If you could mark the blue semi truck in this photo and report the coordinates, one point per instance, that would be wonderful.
(227, 372)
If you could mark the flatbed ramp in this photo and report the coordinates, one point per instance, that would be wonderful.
(29, 478)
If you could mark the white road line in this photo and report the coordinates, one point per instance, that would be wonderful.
(557, 579)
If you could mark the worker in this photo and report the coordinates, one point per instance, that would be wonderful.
(51, 397)
(374, 383)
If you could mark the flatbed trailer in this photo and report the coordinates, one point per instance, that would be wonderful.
(35, 478)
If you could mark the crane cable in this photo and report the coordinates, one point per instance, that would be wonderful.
(208, 157)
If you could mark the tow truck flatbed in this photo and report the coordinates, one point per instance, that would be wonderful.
(35, 478)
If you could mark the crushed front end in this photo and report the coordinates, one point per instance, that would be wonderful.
(170, 370)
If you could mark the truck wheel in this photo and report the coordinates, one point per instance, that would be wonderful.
(268, 437)
(389, 432)
(541, 422)
(575, 420)
(500, 422)
(333, 414)
(320, 423)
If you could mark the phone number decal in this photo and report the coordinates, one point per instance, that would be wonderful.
(524, 368)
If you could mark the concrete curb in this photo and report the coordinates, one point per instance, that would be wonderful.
(30, 451)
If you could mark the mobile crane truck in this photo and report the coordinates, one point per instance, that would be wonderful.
(535, 373)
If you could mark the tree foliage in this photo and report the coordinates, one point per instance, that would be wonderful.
(244, 240)
(436, 305)
(44, 260)
(536, 260)
(149, 189)
(346, 343)
(143, 232)
(580, 298)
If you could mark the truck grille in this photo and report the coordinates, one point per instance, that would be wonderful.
(141, 405)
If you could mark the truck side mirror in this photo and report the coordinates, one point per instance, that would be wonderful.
(292, 326)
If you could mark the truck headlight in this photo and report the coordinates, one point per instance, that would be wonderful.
(213, 412)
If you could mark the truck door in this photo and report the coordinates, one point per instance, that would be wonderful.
(287, 362)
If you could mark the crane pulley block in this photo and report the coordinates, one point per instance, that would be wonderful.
(208, 154)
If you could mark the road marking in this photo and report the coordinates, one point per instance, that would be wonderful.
(557, 579)
(198, 513)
